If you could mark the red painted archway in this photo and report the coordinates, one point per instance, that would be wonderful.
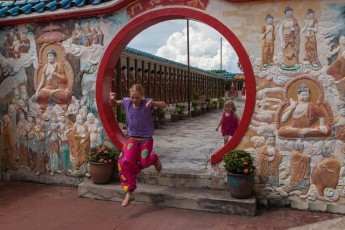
(124, 36)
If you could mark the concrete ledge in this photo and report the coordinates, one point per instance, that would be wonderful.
(174, 179)
(320, 207)
(335, 224)
(58, 179)
(199, 199)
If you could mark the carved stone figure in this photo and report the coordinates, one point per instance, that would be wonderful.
(268, 36)
(339, 122)
(326, 175)
(337, 69)
(76, 34)
(290, 39)
(97, 34)
(298, 167)
(31, 141)
(86, 34)
(15, 99)
(310, 29)
(94, 129)
(308, 119)
(81, 144)
(73, 110)
(15, 47)
(41, 158)
(269, 160)
(24, 43)
(24, 97)
(64, 130)
(54, 147)
(22, 130)
(83, 108)
(53, 86)
(8, 142)
(339, 48)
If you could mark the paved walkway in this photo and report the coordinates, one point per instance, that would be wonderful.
(186, 146)
(36, 206)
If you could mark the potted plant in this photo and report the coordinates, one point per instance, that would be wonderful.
(180, 111)
(102, 161)
(195, 106)
(161, 116)
(202, 108)
(174, 116)
(221, 102)
(240, 167)
(155, 115)
(214, 103)
(208, 104)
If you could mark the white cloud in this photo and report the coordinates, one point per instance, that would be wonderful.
(204, 45)
(204, 49)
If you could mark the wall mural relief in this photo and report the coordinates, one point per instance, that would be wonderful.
(297, 130)
(49, 116)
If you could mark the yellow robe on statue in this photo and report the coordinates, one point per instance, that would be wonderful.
(9, 146)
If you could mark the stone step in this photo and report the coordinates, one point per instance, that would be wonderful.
(174, 179)
(201, 199)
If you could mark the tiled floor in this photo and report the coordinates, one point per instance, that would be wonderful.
(36, 206)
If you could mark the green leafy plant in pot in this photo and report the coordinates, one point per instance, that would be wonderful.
(174, 115)
(155, 116)
(195, 106)
(240, 167)
(102, 161)
(221, 102)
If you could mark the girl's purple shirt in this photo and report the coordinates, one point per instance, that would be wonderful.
(139, 121)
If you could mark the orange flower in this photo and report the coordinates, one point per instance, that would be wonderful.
(245, 171)
(245, 162)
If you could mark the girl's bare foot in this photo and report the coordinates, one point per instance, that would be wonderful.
(158, 166)
(128, 199)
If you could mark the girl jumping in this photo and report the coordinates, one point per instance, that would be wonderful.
(136, 153)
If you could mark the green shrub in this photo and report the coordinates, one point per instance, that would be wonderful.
(239, 162)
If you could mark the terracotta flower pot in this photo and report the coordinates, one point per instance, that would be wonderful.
(174, 118)
(240, 185)
(101, 173)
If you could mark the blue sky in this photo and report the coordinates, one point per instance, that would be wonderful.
(169, 40)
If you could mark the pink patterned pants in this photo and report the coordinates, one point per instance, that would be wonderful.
(134, 157)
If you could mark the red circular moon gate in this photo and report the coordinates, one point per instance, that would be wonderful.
(134, 27)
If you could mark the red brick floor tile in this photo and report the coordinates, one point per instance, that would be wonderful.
(36, 206)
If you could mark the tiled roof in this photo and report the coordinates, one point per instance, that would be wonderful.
(233, 75)
(154, 57)
(16, 7)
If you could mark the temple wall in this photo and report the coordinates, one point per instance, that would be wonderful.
(297, 130)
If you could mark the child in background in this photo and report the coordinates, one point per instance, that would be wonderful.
(136, 153)
(229, 121)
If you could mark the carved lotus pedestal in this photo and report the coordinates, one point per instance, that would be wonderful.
(240, 185)
(101, 173)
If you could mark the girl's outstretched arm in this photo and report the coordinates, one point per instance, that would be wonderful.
(112, 100)
(160, 104)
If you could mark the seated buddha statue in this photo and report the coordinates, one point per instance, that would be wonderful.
(53, 86)
(308, 119)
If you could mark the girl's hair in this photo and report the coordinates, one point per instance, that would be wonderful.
(231, 104)
(138, 88)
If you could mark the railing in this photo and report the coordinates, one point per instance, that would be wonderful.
(167, 80)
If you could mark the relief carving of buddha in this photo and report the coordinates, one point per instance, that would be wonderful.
(303, 118)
